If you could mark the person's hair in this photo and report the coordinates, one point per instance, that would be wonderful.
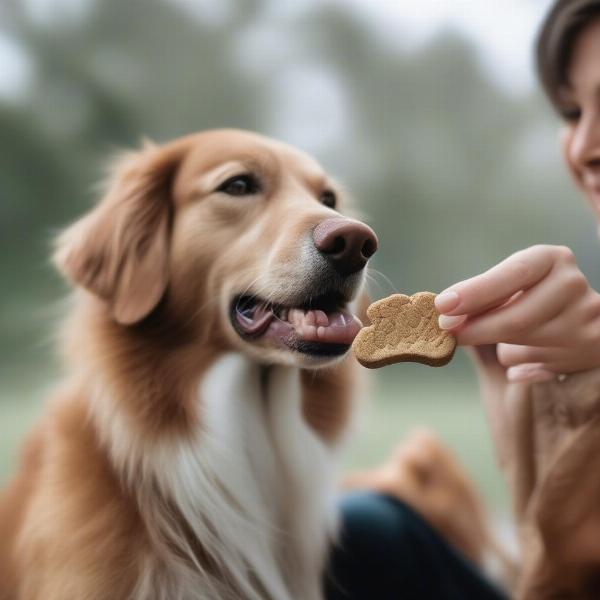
(563, 23)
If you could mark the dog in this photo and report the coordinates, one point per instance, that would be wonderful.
(190, 451)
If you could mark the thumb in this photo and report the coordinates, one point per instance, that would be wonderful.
(530, 373)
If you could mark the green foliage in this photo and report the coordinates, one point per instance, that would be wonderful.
(440, 159)
(454, 173)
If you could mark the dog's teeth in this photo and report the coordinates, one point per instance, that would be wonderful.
(311, 318)
(284, 314)
(295, 316)
(321, 318)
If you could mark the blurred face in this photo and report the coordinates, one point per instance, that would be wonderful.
(581, 109)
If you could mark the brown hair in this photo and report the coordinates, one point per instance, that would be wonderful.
(554, 47)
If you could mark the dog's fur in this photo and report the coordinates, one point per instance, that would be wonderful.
(179, 460)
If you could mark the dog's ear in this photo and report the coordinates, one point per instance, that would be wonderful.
(119, 251)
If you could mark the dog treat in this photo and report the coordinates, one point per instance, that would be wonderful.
(403, 329)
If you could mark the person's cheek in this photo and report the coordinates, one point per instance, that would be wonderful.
(566, 135)
(566, 139)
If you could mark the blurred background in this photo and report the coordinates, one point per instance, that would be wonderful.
(427, 110)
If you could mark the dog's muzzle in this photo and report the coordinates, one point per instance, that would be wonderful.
(315, 317)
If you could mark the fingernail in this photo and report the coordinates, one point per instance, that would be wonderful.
(449, 322)
(446, 301)
(530, 374)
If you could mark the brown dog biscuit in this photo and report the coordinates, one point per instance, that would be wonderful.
(404, 329)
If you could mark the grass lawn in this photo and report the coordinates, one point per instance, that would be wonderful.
(410, 396)
(416, 397)
(21, 403)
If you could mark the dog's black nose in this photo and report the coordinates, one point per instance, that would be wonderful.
(347, 244)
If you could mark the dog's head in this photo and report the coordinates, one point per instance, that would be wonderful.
(234, 236)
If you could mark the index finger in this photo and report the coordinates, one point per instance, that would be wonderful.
(496, 286)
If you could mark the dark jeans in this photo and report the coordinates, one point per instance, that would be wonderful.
(387, 551)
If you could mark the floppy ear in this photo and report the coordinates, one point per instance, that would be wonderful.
(119, 251)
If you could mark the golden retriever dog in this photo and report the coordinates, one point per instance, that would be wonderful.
(190, 451)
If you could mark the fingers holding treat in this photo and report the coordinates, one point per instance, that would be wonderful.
(520, 271)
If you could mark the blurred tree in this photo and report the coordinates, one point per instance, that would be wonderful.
(439, 157)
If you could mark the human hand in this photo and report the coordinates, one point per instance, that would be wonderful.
(537, 306)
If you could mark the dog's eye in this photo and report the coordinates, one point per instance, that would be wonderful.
(240, 185)
(328, 198)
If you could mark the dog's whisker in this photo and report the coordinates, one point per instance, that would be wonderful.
(377, 287)
(371, 272)
(215, 299)
(372, 282)
(198, 311)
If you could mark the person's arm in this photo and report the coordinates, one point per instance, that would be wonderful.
(527, 320)
(548, 439)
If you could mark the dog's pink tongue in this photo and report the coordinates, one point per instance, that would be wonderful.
(255, 322)
(339, 327)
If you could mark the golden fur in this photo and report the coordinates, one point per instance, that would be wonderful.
(125, 488)
(155, 264)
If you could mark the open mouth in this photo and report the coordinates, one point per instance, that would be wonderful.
(322, 326)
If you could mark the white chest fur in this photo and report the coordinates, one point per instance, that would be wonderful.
(255, 486)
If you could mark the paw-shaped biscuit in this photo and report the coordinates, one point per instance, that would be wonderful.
(404, 329)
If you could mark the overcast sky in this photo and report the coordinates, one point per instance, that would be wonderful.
(503, 30)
